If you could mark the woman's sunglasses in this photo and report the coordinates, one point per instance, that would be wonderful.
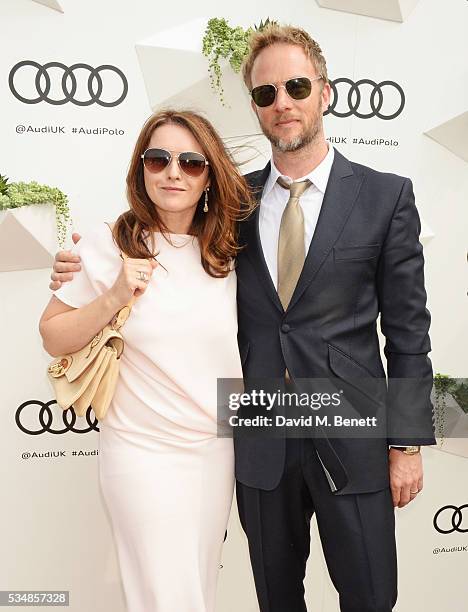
(298, 88)
(191, 163)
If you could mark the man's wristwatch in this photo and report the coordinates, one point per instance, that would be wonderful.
(408, 450)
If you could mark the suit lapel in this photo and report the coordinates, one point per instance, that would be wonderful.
(339, 198)
(254, 249)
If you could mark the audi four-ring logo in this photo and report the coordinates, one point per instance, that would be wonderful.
(68, 83)
(452, 514)
(351, 99)
(40, 418)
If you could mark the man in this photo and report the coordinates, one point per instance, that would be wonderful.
(332, 245)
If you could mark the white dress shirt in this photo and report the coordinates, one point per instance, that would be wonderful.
(273, 203)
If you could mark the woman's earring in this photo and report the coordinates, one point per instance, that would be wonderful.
(205, 208)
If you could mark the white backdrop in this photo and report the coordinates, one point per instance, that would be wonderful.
(55, 533)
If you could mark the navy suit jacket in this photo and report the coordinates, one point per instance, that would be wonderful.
(365, 259)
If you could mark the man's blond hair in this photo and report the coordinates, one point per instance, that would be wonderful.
(275, 34)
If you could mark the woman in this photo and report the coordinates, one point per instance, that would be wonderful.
(166, 478)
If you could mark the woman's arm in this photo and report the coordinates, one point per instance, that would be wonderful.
(65, 329)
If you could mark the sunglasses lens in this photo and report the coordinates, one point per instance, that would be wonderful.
(263, 95)
(156, 160)
(192, 164)
(299, 88)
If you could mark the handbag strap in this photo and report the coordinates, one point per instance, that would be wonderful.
(122, 315)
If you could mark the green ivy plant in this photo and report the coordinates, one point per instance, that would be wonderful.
(221, 41)
(16, 195)
(445, 385)
(3, 185)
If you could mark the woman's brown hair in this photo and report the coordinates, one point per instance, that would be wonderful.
(230, 199)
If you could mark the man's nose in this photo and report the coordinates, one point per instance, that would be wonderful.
(282, 101)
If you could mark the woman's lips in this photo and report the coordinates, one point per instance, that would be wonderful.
(172, 189)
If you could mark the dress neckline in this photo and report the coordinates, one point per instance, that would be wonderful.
(176, 240)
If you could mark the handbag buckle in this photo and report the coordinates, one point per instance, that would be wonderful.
(120, 318)
(94, 342)
(59, 368)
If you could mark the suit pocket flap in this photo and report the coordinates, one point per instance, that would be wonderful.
(356, 375)
(366, 251)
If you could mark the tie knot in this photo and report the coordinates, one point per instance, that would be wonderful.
(296, 189)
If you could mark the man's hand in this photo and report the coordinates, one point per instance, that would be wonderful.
(406, 476)
(64, 265)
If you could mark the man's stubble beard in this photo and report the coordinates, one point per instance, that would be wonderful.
(301, 141)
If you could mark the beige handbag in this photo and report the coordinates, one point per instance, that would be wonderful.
(88, 377)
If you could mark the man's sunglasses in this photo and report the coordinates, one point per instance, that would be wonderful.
(298, 88)
(191, 163)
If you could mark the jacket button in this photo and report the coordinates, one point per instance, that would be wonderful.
(285, 328)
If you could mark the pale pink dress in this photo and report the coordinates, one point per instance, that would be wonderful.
(166, 478)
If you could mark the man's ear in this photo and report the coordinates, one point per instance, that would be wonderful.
(254, 107)
(326, 96)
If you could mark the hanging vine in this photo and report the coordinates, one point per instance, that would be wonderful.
(443, 386)
(221, 41)
(17, 195)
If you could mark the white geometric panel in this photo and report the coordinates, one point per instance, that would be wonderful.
(427, 234)
(175, 72)
(27, 238)
(392, 10)
(453, 135)
(53, 4)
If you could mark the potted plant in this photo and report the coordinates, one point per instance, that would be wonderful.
(222, 42)
(19, 195)
(448, 389)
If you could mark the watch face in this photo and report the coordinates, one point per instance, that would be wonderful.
(411, 450)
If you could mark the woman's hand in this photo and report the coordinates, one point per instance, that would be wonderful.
(64, 265)
(129, 281)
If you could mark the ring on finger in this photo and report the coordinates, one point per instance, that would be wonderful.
(142, 276)
(414, 492)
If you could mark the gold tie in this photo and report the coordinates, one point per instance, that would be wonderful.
(291, 250)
